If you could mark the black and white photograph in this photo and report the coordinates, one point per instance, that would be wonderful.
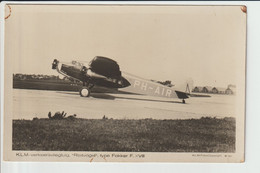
(124, 83)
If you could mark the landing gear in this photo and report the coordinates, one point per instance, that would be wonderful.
(183, 101)
(84, 92)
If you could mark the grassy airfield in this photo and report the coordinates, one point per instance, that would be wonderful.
(144, 135)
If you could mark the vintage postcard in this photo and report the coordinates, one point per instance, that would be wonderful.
(124, 83)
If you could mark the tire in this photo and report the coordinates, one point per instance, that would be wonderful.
(84, 92)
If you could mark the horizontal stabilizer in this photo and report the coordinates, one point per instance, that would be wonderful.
(181, 95)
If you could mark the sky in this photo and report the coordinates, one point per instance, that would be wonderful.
(205, 44)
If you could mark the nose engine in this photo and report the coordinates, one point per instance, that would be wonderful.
(55, 64)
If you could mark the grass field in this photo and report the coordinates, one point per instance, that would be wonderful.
(146, 135)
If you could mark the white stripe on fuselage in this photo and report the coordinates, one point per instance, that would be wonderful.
(157, 90)
(143, 86)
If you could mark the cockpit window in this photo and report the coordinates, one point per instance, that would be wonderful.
(76, 63)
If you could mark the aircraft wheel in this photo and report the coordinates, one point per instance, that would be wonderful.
(183, 101)
(84, 92)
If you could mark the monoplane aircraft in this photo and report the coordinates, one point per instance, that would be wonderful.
(103, 71)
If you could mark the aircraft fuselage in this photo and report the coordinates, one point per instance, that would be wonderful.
(81, 73)
(105, 72)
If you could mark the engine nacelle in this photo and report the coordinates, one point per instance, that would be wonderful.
(55, 64)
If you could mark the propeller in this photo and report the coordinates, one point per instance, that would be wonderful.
(55, 64)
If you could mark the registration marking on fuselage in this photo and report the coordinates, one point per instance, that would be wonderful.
(157, 90)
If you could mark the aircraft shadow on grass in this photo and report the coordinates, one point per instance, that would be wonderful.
(113, 97)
